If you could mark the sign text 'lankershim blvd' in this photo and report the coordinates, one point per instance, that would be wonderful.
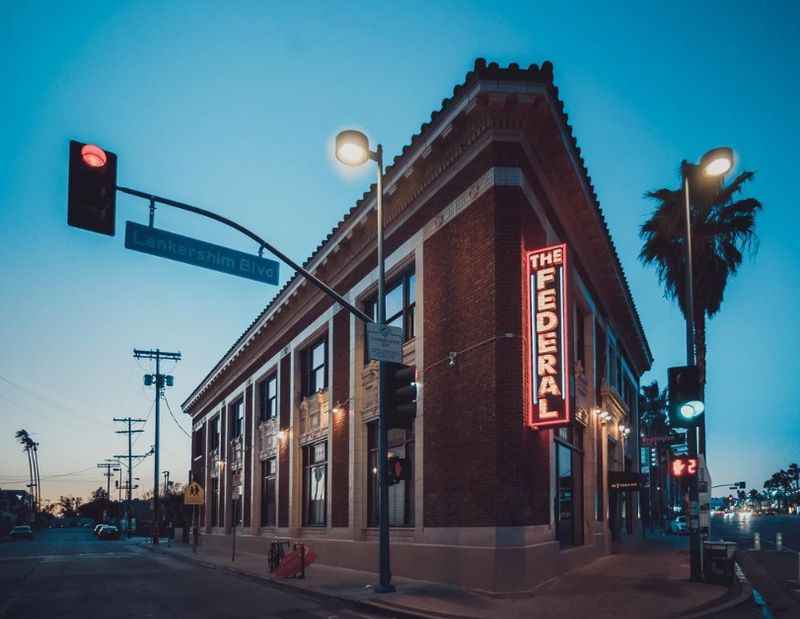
(549, 342)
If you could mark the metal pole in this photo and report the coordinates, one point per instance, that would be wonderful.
(156, 528)
(695, 553)
(385, 572)
(130, 474)
(249, 233)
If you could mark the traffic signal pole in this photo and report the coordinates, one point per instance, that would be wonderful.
(158, 355)
(695, 551)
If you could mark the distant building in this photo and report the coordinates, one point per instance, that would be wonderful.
(15, 507)
(515, 311)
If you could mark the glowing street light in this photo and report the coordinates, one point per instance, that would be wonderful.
(717, 162)
(352, 149)
(713, 165)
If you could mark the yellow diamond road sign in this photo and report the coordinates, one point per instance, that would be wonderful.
(194, 494)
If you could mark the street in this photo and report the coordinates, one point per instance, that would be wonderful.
(68, 573)
(741, 528)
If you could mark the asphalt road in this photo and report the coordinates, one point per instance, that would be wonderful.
(741, 529)
(67, 573)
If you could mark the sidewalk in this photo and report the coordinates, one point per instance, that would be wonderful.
(650, 582)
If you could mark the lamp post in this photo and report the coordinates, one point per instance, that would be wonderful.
(352, 149)
(714, 164)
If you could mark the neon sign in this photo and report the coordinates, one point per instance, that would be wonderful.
(684, 467)
(549, 341)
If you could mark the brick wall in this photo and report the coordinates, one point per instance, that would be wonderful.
(460, 441)
(340, 443)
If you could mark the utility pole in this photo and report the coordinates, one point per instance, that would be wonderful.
(130, 432)
(158, 355)
(166, 481)
(130, 488)
(109, 467)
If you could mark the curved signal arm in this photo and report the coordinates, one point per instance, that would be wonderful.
(262, 243)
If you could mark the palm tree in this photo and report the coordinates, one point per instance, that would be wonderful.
(722, 229)
(24, 439)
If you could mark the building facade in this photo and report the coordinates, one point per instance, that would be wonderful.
(527, 349)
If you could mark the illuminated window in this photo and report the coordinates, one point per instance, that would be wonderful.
(315, 484)
(401, 494)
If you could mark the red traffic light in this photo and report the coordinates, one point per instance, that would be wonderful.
(93, 156)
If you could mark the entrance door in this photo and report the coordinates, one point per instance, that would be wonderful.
(565, 496)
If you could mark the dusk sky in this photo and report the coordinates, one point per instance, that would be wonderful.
(233, 106)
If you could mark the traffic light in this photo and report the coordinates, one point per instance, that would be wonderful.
(683, 466)
(92, 194)
(686, 406)
(401, 395)
(741, 485)
(398, 470)
(148, 379)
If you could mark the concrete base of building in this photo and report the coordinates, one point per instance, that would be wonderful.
(493, 569)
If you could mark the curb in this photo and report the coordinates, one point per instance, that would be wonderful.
(738, 593)
(397, 611)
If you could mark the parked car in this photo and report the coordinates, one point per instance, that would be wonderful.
(108, 531)
(21, 532)
(97, 528)
(679, 525)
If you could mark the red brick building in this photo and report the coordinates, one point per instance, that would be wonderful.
(286, 419)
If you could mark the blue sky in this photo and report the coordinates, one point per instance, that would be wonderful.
(233, 108)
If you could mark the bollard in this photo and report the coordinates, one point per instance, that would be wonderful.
(757, 541)
(779, 541)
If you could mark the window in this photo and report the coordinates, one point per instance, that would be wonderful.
(198, 448)
(401, 494)
(400, 295)
(315, 476)
(268, 496)
(237, 419)
(215, 433)
(268, 396)
(315, 367)
(214, 501)
(569, 485)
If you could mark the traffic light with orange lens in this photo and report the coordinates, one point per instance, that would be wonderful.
(92, 192)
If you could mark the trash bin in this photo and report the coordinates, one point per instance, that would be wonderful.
(718, 562)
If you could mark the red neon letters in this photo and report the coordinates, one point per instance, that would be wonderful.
(549, 341)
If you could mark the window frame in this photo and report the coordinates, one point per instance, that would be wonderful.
(408, 443)
(309, 370)
(269, 473)
(310, 464)
(266, 412)
(407, 312)
(237, 419)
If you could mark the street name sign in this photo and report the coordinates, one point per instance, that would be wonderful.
(384, 343)
(194, 494)
(156, 242)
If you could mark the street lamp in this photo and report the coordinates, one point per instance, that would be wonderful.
(714, 164)
(352, 149)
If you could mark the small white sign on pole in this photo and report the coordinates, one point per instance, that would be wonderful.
(384, 343)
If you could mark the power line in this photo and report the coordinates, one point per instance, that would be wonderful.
(171, 414)
(42, 398)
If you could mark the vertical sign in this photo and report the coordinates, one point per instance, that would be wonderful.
(549, 341)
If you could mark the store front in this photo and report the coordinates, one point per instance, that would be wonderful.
(518, 321)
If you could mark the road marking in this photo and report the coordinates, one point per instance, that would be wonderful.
(78, 556)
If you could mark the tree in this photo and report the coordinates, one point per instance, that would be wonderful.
(794, 475)
(69, 505)
(722, 229)
(25, 440)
